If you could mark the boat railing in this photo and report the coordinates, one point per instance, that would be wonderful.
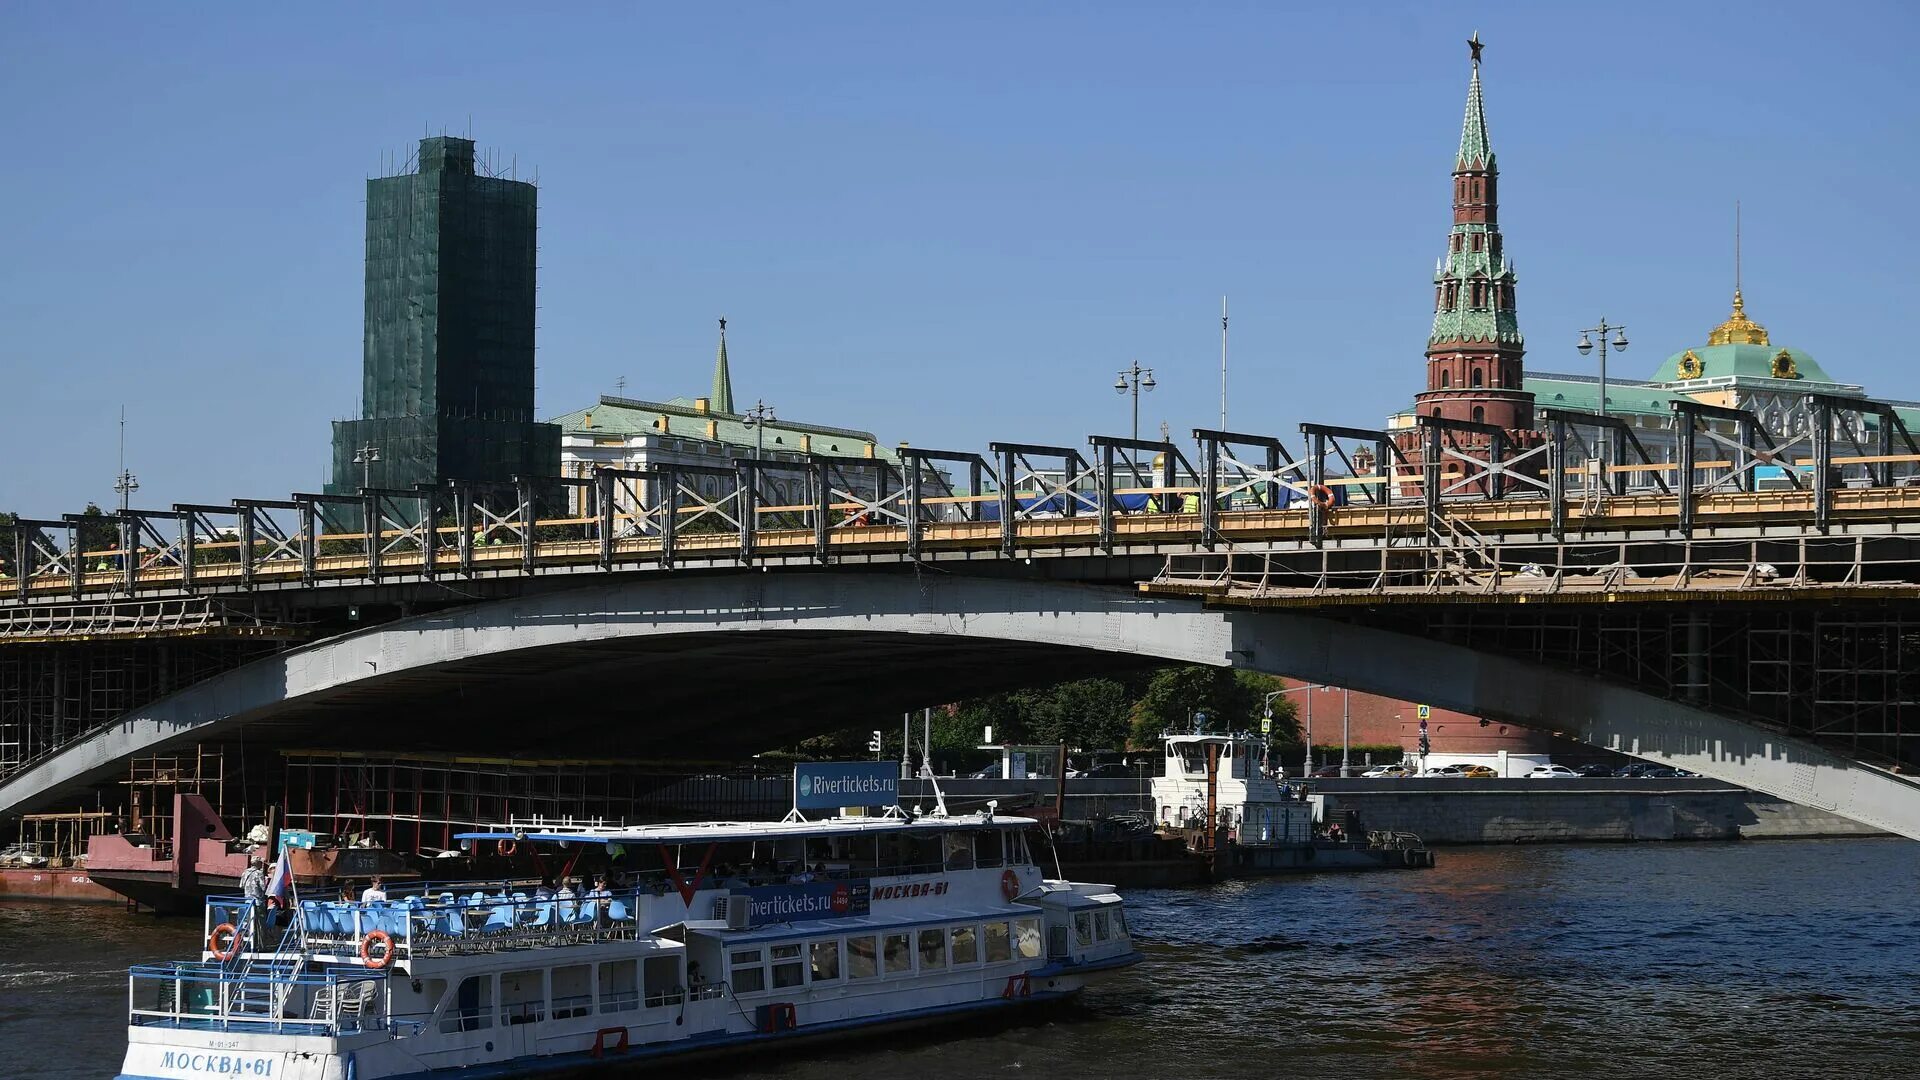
(208, 996)
(383, 933)
(449, 923)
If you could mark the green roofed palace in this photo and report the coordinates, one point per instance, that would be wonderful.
(706, 432)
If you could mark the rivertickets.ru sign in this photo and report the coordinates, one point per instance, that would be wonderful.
(805, 902)
(826, 785)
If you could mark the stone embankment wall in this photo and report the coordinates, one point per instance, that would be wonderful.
(1516, 811)
(1524, 811)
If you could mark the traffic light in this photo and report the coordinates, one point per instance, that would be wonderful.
(873, 744)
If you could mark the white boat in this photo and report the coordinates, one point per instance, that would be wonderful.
(1221, 791)
(1224, 778)
(730, 935)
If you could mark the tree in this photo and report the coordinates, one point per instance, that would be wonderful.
(98, 534)
(1232, 701)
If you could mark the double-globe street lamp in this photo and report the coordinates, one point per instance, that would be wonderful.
(1585, 347)
(758, 418)
(1345, 716)
(1133, 380)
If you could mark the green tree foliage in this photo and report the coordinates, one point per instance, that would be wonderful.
(1232, 701)
(1088, 715)
(99, 533)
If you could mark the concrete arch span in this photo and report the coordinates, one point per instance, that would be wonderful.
(725, 662)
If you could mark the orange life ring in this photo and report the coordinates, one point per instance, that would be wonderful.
(1009, 885)
(386, 949)
(233, 937)
(505, 847)
(1321, 494)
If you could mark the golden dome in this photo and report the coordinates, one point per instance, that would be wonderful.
(1738, 329)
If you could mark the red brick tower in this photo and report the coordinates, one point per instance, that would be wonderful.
(1474, 352)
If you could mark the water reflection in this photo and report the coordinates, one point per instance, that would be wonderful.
(1785, 958)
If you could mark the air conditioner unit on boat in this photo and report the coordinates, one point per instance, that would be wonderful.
(736, 910)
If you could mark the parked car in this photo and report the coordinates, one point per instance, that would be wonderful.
(1552, 772)
(991, 772)
(1325, 771)
(1660, 772)
(1112, 770)
(1477, 772)
(1388, 770)
(1633, 771)
(1595, 770)
(1444, 771)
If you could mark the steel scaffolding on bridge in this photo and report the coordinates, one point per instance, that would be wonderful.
(1341, 516)
(1020, 497)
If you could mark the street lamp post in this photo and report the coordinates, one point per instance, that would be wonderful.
(757, 418)
(1307, 769)
(1133, 380)
(365, 457)
(1585, 347)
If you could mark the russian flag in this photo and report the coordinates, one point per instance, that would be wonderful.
(280, 882)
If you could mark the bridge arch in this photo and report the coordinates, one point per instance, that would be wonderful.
(915, 634)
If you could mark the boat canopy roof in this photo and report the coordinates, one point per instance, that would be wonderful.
(723, 832)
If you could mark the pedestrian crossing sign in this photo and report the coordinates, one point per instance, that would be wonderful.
(1424, 711)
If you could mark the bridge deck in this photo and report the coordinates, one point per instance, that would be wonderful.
(1878, 510)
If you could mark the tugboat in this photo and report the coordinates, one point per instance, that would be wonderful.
(652, 942)
(1221, 792)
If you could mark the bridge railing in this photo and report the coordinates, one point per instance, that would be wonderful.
(1437, 483)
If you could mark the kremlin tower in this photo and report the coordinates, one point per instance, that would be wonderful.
(1474, 352)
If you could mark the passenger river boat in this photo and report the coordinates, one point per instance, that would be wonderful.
(706, 937)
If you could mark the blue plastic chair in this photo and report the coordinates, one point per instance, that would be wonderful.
(617, 911)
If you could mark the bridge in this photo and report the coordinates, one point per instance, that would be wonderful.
(1748, 613)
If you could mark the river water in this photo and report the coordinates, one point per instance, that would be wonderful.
(1762, 959)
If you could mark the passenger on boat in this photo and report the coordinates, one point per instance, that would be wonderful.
(253, 886)
(601, 898)
(545, 891)
(563, 898)
(373, 893)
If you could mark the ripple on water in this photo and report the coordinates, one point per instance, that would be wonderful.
(1777, 959)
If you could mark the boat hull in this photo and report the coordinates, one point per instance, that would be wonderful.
(67, 884)
(273, 1057)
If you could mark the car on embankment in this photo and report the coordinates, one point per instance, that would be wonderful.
(1552, 772)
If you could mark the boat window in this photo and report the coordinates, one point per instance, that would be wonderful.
(987, 849)
(745, 972)
(572, 990)
(863, 851)
(861, 958)
(617, 990)
(826, 960)
(921, 853)
(748, 980)
(523, 997)
(899, 953)
(663, 984)
(966, 945)
(1102, 926)
(933, 949)
(472, 1007)
(959, 851)
(1119, 921)
(999, 947)
(1026, 935)
(1083, 928)
(787, 968)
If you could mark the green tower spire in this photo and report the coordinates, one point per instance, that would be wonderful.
(722, 378)
(1475, 150)
(1474, 281)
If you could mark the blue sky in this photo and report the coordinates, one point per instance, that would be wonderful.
(946, 226)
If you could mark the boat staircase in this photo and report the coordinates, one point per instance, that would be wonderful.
(265, 981)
